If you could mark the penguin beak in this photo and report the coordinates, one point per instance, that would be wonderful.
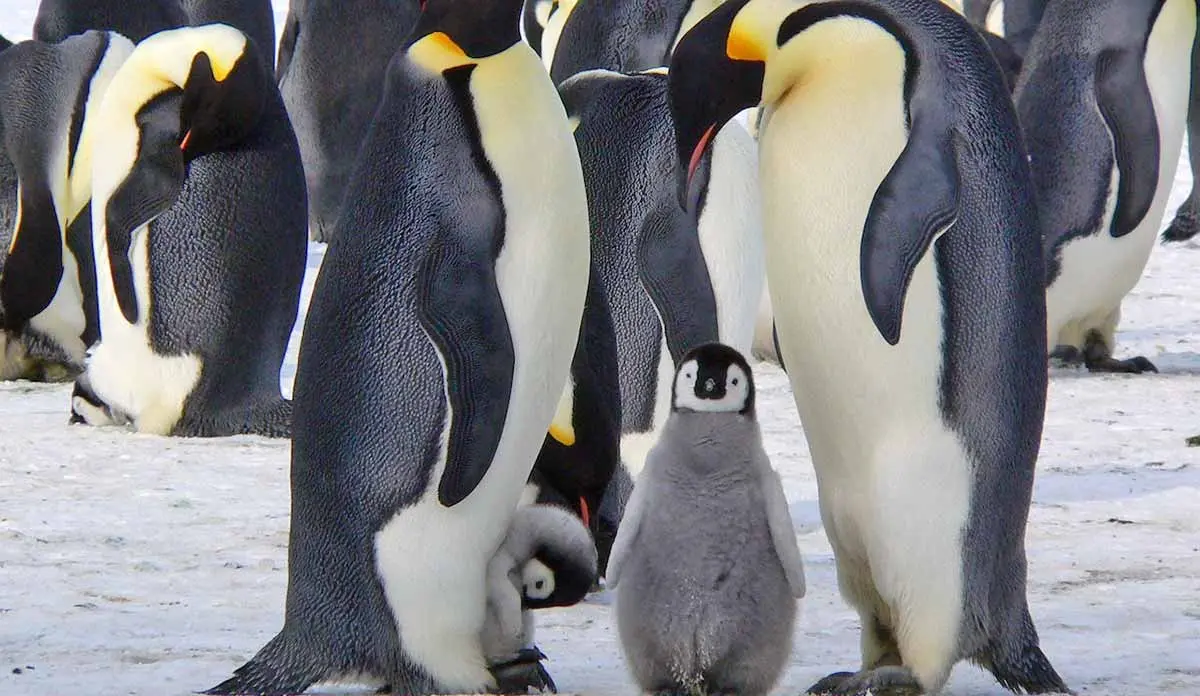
(716, 72)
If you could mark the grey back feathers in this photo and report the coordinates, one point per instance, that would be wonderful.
(254, 18)
(645, 247)
(1187, 219)
(58, 19)
(619, 35)
(332, 59)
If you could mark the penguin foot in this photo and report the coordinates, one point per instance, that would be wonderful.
(1066, 356)
(881, 681)
(522, 673)
(1131, 366)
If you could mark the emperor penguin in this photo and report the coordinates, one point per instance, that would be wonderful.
(534, 18)
(440, 335)
(902, 261)
(1186, 223)
(582, 448)
(332, 92)
(675, 278)
(1103, 100)
(254, 18)
(47, 282)
(58, 19)
(705, 566)
(620, 35)
(200, 241)
(546, 560)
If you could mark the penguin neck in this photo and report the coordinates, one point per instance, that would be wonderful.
(716, 442)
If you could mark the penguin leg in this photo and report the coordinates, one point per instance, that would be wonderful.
(522, 673)
(1097, 355)
(1066, 356)
(889, 680)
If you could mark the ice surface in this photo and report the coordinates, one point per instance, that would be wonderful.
(140, 565)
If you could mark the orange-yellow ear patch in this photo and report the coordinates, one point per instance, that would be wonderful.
(741, 45)
(438, 52)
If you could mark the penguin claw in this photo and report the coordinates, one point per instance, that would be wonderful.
(523, 672)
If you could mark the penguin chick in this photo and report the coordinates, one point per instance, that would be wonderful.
(547, 559)
(706, 566)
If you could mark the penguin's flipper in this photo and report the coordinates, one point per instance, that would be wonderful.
(30, 276)
(150, 188)
(1123, 96)
(917, 201)
(460, 308)
(627, 534)
(672, 269)
(783, 533)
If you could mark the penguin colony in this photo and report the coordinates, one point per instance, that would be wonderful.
(550, 240)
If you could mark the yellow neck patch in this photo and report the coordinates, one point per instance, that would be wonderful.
(437, 52)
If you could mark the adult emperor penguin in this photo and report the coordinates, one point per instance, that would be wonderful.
(1103, 100)
(200, 240)
(331, 92)
(706, 566)
(902, 260)
(58, 19)
(47, 283)
(439, 338)
(533, 21)
(675, 278)
(1186, 223)
(620, 35)
(254, 18)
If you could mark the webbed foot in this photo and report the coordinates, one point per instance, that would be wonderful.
(1066, 356)
(522, 673)
(881, 681)
(1130, 366)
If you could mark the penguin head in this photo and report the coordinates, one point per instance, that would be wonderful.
(454, 33)
(710, 54)
(219, 111)
(713, 378)
(556, 578)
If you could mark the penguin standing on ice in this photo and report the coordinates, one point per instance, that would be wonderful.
(1103, 100)
(621, 35)
(911, 256)
(706, 566)
(332, 59)
(47, 282)
(675, 278)
(58, 19)
(199, 233)
(439, 339)
(254, 18)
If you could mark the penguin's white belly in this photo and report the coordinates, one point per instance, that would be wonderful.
(432, 559)
(123, 369)
(635, 447)
(1099, 270)
(894, 480)
(63, 319)
(730, 233)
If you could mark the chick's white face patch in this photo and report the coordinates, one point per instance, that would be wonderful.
(537, 580)
(711, 391)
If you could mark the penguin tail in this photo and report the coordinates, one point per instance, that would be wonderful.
(1025, 670)
(273, 419)
(279, 669)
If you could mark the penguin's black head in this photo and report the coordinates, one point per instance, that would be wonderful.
(477, 29)
(713, 378)
(555, 579)
(714, 75)
(218, 109)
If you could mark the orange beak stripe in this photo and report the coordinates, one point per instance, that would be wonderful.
(186, 138)
(584, 513)
(699, 151)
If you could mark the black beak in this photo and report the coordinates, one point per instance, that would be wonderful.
(707, 88)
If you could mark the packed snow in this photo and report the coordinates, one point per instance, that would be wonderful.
(134, 564)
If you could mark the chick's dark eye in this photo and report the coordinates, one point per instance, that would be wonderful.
(735, 381)
(540, 584)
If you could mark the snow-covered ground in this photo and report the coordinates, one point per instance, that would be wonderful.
(141, 565)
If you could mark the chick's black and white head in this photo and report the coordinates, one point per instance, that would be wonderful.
(713, 378)
(556, 577)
